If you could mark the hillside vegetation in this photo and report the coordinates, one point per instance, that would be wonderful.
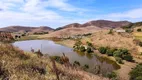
(18, 65)
(133, 25)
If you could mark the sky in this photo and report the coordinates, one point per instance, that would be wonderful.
(57, 13)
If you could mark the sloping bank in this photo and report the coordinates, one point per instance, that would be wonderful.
(18, 65)
(123, 72)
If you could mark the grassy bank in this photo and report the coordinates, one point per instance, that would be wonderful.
(18, 65)
(127, 66)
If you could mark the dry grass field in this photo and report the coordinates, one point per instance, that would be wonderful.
(114, 40)
(71, 31)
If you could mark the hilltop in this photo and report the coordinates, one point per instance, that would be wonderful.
(27, 29)
(97, 23)
(89, 27)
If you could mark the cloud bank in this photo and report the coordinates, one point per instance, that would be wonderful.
(49, 12)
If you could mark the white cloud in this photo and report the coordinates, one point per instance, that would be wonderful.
(58, 4)
(34, 12)
(61, 4)
(38, 12)
(129, 15)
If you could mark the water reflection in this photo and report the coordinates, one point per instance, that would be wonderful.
(49, 47)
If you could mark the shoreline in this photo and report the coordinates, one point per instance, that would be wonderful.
(123, 72)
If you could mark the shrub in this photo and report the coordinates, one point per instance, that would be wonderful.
(128, 57)
(102, 50)
(140, 44)
(88, 34)
(16, 36)
(3, 73)
(86, 66)
(110, 31)
(82, 49)
(136, 73)
(129, 30)
(89, 44)
(139, 30)
(111, 75)
(89, 50)
(23, 34)
(76, 63)
(57, 59)
(117, 53)
(77, 45)
(109, 52)
(124, 51)
(119, 60)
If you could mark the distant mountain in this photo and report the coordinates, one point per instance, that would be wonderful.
(106, 23)
(69, 26)
(98, 23)
(27, 28)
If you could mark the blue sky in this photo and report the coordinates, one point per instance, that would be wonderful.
(57, 13)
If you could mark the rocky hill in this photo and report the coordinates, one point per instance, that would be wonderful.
(106, 23)
(27, 28)
(97, 23)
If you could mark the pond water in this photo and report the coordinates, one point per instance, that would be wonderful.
(53, 49)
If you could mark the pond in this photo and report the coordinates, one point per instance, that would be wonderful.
(53, 49)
